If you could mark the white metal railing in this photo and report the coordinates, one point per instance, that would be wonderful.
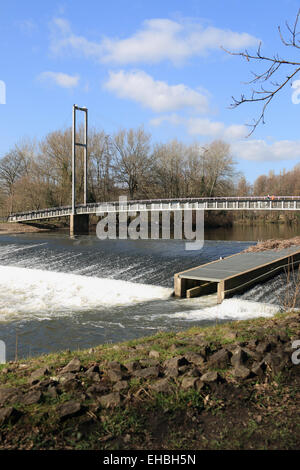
(217, 203)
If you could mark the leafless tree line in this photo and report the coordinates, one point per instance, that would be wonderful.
(36, 175)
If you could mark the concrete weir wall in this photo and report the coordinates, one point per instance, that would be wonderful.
(79, 224)
(197, 281)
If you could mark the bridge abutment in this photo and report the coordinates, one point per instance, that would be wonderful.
(79, 224)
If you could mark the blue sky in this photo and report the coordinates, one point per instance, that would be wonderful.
(152, 63)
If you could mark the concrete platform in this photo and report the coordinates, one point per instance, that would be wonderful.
(234, 273)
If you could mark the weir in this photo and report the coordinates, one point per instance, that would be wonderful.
(235, 273)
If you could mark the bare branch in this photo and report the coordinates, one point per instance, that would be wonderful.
(266, 94)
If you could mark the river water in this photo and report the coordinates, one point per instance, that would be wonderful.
(58, 293)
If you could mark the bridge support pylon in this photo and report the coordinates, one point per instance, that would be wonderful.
(79, 224)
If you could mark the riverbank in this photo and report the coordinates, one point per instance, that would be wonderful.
(230, 386)
(7, 228)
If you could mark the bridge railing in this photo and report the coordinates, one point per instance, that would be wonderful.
(215, 203)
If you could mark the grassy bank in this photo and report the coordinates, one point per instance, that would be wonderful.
(231, 386)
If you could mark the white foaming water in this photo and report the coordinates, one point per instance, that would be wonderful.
(34, 293)
(41, 294)
(229, 309)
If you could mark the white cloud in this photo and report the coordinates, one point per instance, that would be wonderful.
(199, 126)
(27, 26)
(204, 127)
(171, 118)
(155, 94)
(236, 131)
(157, 40)
(61, 79)
(246, 149)
(260, 150)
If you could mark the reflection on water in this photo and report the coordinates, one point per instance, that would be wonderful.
(243, 232)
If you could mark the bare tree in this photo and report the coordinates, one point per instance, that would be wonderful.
(12, 167)
(269, 83)
(132, 160)
(219, 169)
(169, 161)
(100, 166)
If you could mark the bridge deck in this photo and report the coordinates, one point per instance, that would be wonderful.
(252, 203)
(234, 273)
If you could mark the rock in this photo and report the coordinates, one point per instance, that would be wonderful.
(239, 357)
(111, 400)
(210, 376)
(277, 361)
(114, 365)
(241, 372)
(273, 340)
(70, 385)
(283, 336)
(162, 386)
(97, 389)
(149, 362)
(147, 373)
(68, 410)
(172, 372)
(8, 394)
(114, 375)
(205, 350)
(252, 354)
(174, 366)
(73, 366)
(154, 354)
(189, 382)
(258, 368)
(93, 369)
(195, 358)
(9, 415)
(219, 359)
(32, 397)
(38, 373)
(94, 376)
(52, 391)
(132, 366)
(199, 385)
(66, 377)
(183, 369)
(175, 362)
(263, 347)
(252, 344)
(194, 372)
(122, 385)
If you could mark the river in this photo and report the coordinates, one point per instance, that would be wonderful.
(60, 293)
